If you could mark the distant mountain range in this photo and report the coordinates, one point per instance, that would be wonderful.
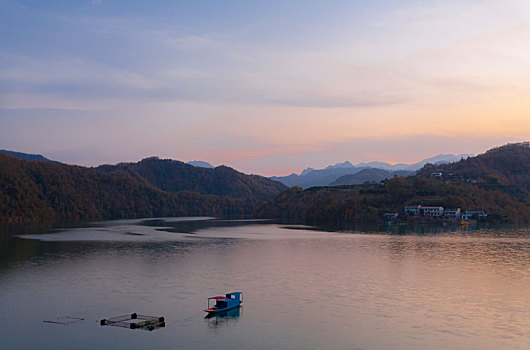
(330, 175)
(440, 158)
(200, 164)
(369, 175)
(337, 174)
(26, 156)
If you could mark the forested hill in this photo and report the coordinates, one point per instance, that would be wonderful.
(497, 182)
(43, 191)
(505, 168)
(174, 176)
(367, 203)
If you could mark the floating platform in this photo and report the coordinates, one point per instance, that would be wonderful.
(135, 321)
(65, 320)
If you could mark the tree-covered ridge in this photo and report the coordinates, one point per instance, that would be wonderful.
(369, 202)
(174, 176)
(505, 168)
(497, 182)
(42, 191)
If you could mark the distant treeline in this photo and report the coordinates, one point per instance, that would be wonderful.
(369, 202)
(496, 182)
(48, 191)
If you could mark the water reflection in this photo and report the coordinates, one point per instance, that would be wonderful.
(423, 229)
(304, 288)
(223, 319)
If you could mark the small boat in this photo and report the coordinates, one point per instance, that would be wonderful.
(221, 304)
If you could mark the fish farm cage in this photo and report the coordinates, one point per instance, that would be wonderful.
(135, 321)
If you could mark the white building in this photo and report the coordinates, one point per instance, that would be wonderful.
(432, 211)
(413, 209)
(452, 213)
(470, 214)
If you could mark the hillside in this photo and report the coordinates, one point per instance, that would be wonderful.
(367, 175)
(505, 168)
(368, 202)
(497, 182)
(174, 176)
(45, 191)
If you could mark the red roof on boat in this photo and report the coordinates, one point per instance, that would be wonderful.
(217, 298)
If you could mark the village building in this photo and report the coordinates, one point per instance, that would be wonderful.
(471, 214)
(413, 209)
(425, 211)
(438, 211)
(432, 211)
(452, 213)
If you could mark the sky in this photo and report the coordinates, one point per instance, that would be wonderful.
(266, 87)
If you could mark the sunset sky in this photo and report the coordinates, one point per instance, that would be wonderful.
(266, 87)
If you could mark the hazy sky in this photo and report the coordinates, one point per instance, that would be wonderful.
(267, 87)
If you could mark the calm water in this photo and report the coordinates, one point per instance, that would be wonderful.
(303, 288)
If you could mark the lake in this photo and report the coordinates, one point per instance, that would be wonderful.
(303, 288)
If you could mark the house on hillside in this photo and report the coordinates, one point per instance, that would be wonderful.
(473, 214)
(424, 211)
(412, 209)
(431, 211)
(453, 213)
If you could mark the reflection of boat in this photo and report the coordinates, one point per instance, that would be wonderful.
(225, 316)
(223, 304)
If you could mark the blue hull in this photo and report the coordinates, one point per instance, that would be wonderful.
(218, 311)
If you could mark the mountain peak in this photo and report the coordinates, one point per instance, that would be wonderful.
(445, 158)
(342, 165)
(306, 171)
(322, 177)
(200, 164)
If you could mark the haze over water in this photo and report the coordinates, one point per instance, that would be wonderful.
(303, 288)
